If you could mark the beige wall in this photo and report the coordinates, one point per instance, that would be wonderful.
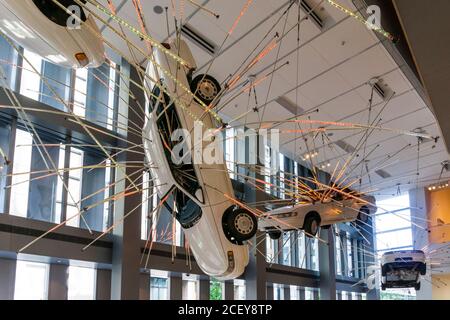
(439, 208)
(443, 292)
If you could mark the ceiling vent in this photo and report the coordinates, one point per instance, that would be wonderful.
(383, 174)
(312, 15)
(345, 146)
(193, 35)
(290, 106)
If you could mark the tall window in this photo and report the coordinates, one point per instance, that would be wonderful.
(21, 170)
(191, 290)
(31, 281)
(281, 183)
(393, 224)
(278, 292)
(30, 82)
(239, 290)
(81, 283)
(5, 135)
(159, 288)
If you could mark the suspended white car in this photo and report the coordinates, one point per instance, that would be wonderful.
(315, 214)
(402, 269)
(200, 194)
(42, 27)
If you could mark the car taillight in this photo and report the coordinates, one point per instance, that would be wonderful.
(82, 59)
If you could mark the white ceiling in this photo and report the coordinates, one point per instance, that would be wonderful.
(334, 67)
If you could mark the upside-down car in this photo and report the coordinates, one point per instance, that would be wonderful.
(312, 215)
(43, 27)
(201, 195)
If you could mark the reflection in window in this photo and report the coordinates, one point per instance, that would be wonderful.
(5, 135)
(159, 288)
(81, 283)
(31, 281)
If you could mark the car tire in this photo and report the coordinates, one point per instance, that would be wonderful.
(363, 214)
(274, 235)
(423, 269)
(383, 287)
(239, 225)
(312, 224)
(205, 87)
(417, 286)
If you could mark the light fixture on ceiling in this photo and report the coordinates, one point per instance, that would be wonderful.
(158, 9)
(310, 155)
(290, 106)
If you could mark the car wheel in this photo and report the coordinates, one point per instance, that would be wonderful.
(363, 214)
(417, 286)
(274, 235)
(311, 225)
(240, 225)
(205, 87)
(383, 287)
(423, 269)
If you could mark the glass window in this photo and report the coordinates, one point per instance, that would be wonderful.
(159, 288)
(294, 293)
(239, 290)
(191, 290)
(278, 292)
(21, 174)
(301, 244)
(286, 250)
(31, 281)
(309, 293)
(394, 239)
(81, 283)
(8, 58)
(216, 290)
(391, 221)
(55, 85)
(30, 83)
(5, 135)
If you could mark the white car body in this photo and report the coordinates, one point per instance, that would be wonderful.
(213, 251)
(330, 212)
(26, 24)
(402, 269)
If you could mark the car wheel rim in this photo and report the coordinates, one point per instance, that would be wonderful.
(207, 90)
(244, 224)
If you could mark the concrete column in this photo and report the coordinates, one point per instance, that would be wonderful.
(103, 284)
(176, 288)
(255, 274)
(287, 292)
(144, 286)
(269, 289)
(229, 290)
(204, 287)
(57, 282)
(327, 265)
(125, 279)
(301, 293)
(7, 279)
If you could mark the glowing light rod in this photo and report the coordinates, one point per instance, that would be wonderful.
(362, 20)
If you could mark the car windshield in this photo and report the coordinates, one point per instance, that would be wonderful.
(56, 14)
